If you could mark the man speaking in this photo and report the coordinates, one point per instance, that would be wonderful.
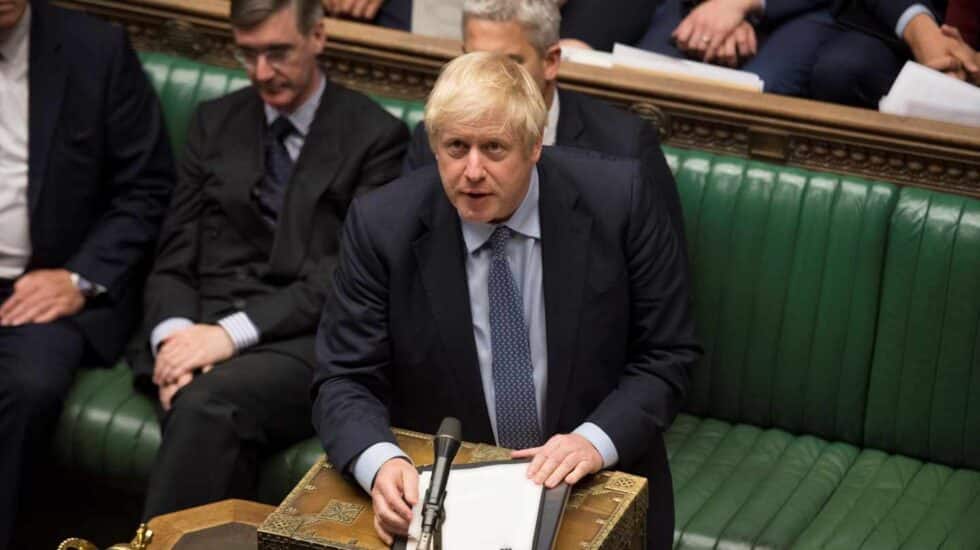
(539, 297)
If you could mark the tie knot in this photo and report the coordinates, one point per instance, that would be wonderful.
(280, 128)
(498, 239)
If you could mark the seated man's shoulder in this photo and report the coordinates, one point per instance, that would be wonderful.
(83, 36)
(404, 200)
(613, 130)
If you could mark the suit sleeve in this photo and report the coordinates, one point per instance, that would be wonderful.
(602, 23)
(658, 173)
(138, 177)
(350, 385)
(888, 12)
(295, 309)
(662, 345)
(171, 289)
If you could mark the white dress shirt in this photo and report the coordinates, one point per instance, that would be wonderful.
(15, 238)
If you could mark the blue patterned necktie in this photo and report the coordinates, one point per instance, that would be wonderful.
(513, 378)
(271, 192)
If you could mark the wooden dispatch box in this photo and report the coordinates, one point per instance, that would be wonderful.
(326, 511)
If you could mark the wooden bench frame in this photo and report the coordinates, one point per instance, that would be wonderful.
(688, 114)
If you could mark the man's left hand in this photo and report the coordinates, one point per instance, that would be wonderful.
(707, 27)
(191, 348)
(565, 457)
(41, 296)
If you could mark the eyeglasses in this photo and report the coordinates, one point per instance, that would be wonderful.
(275, 56)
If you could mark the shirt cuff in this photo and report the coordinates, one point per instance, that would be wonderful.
(907, 15)
(367, 464)
(240, 329)
(601, 441)
(165, 328)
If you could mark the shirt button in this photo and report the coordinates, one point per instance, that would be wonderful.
(239, 303)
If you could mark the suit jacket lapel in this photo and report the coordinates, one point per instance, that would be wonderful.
(47, 74)
(570, 125)
(440, 256)
(239, 166)
(315, 170)
(565, 259)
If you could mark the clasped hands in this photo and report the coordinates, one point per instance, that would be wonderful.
(716, 32)
(197, 347)
(563, 458)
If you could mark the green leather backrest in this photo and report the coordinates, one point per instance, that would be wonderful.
(924, 398)
(182, 84)
(786, 268)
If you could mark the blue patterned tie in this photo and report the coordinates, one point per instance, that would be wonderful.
(513, 381)
(271, 192)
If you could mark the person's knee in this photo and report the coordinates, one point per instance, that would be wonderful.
(28, 392)
(199, 407)
(841, 76)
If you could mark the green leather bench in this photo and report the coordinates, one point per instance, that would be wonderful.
(838, 403)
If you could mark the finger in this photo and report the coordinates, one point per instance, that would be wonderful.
(683, 32)
(547, 468)
(372, 9)
(26, 312)
(382, 534)
(711, 52)
(952, 32)
(729, 53)
(393, 495)
(561, 470)
(206, 369)
(382, 510)
(945, 63)
(525, 453)
(753, 42)
(536, 463)
(48, 314)
(410, 481)
(581, 470)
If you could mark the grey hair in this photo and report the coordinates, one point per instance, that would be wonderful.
(540, 18)
(247, 14)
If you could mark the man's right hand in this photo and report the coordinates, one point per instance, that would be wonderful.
(934, 49)
(395, 492)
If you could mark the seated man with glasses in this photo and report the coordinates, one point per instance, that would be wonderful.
(246, 252)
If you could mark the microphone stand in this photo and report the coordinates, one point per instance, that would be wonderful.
(445, 445)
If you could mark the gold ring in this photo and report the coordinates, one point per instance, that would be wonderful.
(706, 39)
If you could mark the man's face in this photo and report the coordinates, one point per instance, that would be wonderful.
(485, 171)
(11, 12)
(280, 60)
(510, 39)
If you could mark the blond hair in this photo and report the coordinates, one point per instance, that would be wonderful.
(483, 87)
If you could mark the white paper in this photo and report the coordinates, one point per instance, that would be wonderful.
(926, 93)
(487, 508)
(595, 58)
(636, 58)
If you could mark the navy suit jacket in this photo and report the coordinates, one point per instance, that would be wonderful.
(880, 17)
(587, 123)
(396, 346)
(100, 167)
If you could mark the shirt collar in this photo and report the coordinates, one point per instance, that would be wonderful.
(551, 130)
(302, 117)
(13, 46)
(525, 220)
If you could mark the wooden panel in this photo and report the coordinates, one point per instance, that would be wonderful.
(783, 130)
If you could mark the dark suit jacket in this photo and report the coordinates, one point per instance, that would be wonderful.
(602, 23)
(217, 255)
(587, 123)
(879, 17)
(100, 167)
(396, 343)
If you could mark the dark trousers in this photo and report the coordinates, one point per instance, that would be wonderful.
(855, 69)
(786, 51)
(36, 365)
(222, 424)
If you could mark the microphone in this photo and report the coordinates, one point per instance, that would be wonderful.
(446, 445)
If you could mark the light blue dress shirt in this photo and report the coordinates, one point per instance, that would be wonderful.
(240, 328)
(524, 256)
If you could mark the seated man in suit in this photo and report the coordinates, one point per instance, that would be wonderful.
(775, 39)
(527, 31)
(246, 254)
(538, 296)
(886, 33)
(85, 175)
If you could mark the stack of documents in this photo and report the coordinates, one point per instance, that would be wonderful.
(922, 92)
(635, 58)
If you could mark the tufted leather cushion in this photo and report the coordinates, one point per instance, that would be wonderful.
(737, 486)
(786, 268)
(924, 399)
